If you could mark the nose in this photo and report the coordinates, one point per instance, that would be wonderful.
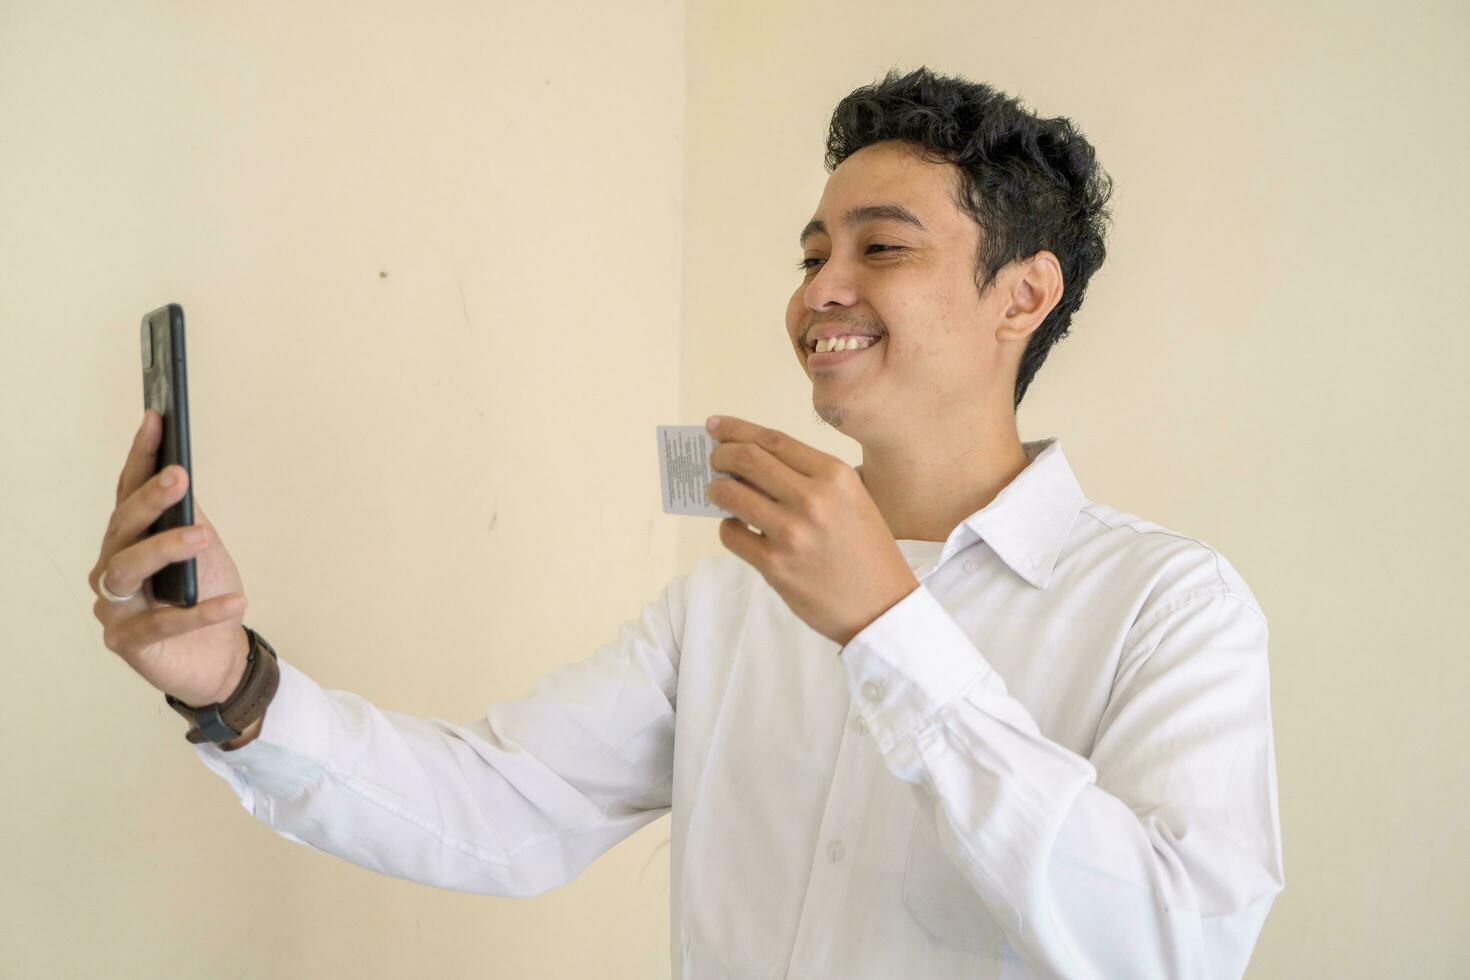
(833, 284)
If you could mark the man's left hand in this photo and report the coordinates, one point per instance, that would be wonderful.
(823, 544)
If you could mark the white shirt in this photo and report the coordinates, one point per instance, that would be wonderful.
(1053, 758)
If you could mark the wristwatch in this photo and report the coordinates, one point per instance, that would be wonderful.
(225, 720)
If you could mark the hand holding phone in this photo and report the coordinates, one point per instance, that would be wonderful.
(194, 649)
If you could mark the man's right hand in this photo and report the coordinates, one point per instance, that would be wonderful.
(197, 653)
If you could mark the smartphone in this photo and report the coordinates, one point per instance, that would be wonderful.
(166, 391)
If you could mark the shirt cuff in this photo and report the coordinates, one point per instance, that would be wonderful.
(289, 752)
(907, 664)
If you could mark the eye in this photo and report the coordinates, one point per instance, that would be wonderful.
(802, 265)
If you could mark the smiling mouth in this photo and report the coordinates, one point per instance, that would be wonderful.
(851, 341)
(820, 359)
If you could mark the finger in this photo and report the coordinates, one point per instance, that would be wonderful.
(132, 634)
(142, 456)
(804, 459)
(129, 567)
(133, 517)
(759, 468)
(749, 505)
(131, 520)
(107, 610)
(744, 543)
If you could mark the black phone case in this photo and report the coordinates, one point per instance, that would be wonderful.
(166, 390)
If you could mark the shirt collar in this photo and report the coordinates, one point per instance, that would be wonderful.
(1027, 524)
(1029, 521)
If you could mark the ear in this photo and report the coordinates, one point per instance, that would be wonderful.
(1035, 293)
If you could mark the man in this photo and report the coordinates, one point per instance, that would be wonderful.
(936, 716)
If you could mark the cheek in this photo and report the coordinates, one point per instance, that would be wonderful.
(948, 330)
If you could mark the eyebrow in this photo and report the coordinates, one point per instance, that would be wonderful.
(865, 212)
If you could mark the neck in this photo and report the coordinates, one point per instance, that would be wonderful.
(925, 489)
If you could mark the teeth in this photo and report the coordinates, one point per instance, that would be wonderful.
(845, 343)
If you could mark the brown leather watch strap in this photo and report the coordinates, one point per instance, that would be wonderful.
(248, 702)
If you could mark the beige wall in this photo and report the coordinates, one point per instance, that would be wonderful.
(425, 477)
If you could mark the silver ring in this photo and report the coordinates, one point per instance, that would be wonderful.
(108, 593)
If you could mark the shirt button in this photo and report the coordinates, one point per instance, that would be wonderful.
(971, 565)
(858, 725)
(835, 851)
(873, 690)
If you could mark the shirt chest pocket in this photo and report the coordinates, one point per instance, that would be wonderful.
(942, 901)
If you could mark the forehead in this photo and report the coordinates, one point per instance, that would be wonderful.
(891, 172)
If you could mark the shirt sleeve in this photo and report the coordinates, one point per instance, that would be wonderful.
(1157, 857)
(513, 803)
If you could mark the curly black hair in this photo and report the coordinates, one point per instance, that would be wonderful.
(1030, 183)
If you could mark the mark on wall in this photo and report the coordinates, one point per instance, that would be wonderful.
(462, 304)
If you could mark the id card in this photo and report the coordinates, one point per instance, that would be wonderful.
(684, 470)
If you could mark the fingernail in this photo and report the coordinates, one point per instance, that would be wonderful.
(712, 423)
(169, 478)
